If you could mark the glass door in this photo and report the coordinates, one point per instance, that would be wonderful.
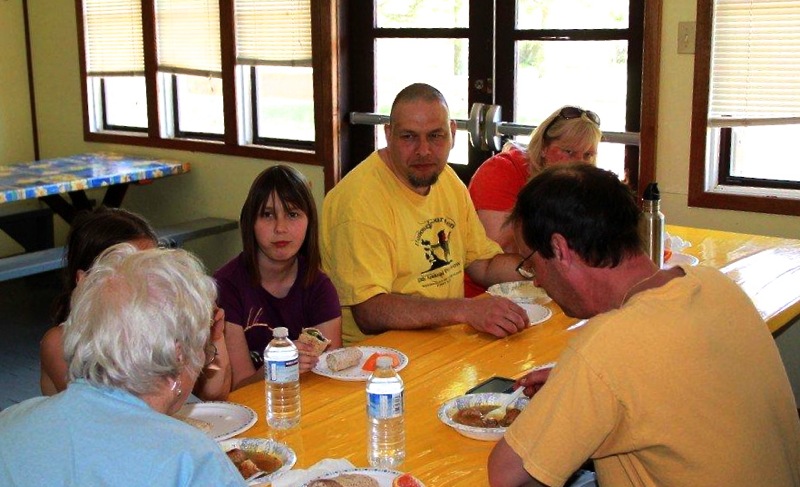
(529, 57)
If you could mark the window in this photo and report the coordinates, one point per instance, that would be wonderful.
(746, 107)
(528, 56)
(235, 77)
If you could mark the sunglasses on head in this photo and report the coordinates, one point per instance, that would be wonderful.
(568, 113)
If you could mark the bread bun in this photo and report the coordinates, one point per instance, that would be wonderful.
(356, 480)
(324, 483)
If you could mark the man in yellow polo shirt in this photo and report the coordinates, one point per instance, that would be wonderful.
(399, 231)
(674, 380)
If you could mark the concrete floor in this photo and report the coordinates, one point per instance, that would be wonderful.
(24, 317)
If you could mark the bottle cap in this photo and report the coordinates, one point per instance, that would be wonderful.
(651, 192)
(280, 332)
(384, 362)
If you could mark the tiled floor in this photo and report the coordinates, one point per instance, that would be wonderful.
(24, 317)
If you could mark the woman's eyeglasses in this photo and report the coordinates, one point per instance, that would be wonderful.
(568, 113)
(525, 271)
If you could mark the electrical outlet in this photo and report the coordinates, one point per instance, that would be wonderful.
(686, 33)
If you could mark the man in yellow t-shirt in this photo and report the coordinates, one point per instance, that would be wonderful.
(674, 380)
(400, 230)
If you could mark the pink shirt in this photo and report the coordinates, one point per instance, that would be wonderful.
(497, 182)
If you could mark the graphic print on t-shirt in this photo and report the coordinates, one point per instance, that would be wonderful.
(433, 238)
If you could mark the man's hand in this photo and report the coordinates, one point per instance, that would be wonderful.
(497, 316)
(533, 381)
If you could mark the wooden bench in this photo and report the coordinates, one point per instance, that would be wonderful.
(171, 236)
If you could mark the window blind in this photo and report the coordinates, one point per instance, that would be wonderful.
(187, 33)
(113, 37)
(273, 32)
(755, 63)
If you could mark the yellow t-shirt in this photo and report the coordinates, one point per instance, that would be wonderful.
(682, 386)
(377, 236)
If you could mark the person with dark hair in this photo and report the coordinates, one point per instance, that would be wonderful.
(570, 134)
(399, 232)
(675, 378)
(91, 233)
(136, 340)
(276, 281)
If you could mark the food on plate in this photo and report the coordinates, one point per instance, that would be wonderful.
(667, 254)
(372, 361)
(346, 480)
(406, 480)
(344, 358)
(203, 426)
(476, 416)
(250, 462)
(315, 338)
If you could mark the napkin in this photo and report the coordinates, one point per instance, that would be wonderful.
(675, 243)
(296, 477)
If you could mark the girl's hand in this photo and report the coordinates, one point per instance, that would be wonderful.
(308, 359)
(217, 324)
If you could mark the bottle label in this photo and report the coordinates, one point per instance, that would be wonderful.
(384, 406)
(282, 372)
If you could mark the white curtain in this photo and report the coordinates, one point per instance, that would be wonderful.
(113, 37)
(273, 32)
(755, 63)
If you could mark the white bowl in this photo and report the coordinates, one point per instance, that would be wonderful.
(285, 454)
(521, 292)
(448, 409)
(536, 313)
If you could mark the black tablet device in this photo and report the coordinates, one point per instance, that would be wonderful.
(494, 384)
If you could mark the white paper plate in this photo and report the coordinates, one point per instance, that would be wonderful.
(285, 454)
(520, 292)
(536, 313)
(227, 419)
(451, 407)
(356, 373)
(383, 476)
(678, 258)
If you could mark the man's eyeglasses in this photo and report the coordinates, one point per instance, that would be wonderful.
(525, 271)
(568, 113)
(211, 354)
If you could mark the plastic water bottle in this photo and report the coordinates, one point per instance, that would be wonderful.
(652, 224)
(386, 434)
(282, 381)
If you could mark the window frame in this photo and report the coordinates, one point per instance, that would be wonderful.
(700, 169)
(325, 61)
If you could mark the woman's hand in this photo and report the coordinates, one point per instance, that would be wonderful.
(308, 359)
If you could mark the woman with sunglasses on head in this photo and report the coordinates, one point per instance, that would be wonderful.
(570, 134)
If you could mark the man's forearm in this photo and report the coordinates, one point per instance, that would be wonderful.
(500, 268)
(397, 312)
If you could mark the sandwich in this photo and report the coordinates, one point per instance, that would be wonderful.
(315, 338)
(344, 358)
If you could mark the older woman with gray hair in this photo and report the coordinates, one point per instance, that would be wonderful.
(136, 339)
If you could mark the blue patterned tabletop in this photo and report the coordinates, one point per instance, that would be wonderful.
(29, 180)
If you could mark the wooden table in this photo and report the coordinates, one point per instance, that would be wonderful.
(445, 362)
